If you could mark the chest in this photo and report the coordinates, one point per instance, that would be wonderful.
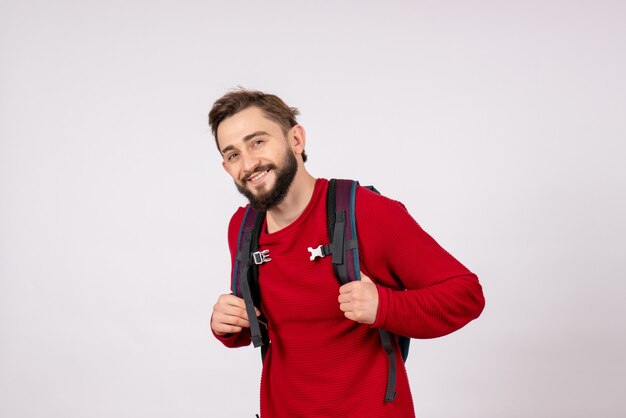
(294, 288)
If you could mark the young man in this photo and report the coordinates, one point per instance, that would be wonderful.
(326, 358)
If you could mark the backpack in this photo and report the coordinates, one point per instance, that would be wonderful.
(341, 224)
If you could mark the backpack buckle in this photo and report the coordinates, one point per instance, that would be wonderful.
(260, 257)
(320, 251)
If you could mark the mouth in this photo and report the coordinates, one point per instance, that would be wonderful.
(256, 177)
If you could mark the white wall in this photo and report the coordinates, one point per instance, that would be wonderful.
(500, 125)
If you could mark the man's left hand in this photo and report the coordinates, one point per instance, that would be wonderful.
(359, 300)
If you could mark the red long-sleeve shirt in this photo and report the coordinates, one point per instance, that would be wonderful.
(321, 364)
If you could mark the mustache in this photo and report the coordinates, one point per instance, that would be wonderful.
(258, 170)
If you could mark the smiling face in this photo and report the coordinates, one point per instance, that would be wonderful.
(259, 156)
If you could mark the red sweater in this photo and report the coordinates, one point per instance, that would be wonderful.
(321, 364)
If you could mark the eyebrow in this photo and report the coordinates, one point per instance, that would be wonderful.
(245, 139)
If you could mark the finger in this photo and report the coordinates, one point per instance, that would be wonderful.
(230, 310)
(348, 287)
(365, 279)
(232, 300)
(224, 324)
(240, 303)
(245, 311)
(345, 297)
(222, 329)
(231, 319)
(350, 316)
(231, 329)
(221, 325)
(229, 302)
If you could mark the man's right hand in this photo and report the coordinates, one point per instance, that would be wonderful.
(229, 315)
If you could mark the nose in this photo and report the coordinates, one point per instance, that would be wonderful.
(250, 162)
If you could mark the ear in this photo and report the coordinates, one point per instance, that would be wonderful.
(297, 139)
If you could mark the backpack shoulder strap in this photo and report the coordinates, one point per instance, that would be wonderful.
(244, 243)
(245, 274)
(341, 219)
(341, 223)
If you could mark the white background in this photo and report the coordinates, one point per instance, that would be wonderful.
(500, 125)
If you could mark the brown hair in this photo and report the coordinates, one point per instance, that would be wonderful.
(237, 100)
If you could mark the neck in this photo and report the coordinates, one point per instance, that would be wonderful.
(294, 203)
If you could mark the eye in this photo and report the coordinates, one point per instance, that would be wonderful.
(257, 142)
(232, 156)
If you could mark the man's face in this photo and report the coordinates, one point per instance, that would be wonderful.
(257, 156)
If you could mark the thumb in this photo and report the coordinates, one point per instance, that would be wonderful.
(365, 279)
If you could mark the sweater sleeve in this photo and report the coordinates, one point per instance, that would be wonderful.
(242, 338)
(424, 292)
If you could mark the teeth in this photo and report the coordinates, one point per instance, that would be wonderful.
(258, 176)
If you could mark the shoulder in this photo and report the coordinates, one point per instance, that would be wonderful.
(370, 203)
(235, 223)
(237, 217)
(382, 216)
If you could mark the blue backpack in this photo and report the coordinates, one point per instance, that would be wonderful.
(343, 247)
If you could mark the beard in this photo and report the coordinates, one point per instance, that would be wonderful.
(264, 201)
